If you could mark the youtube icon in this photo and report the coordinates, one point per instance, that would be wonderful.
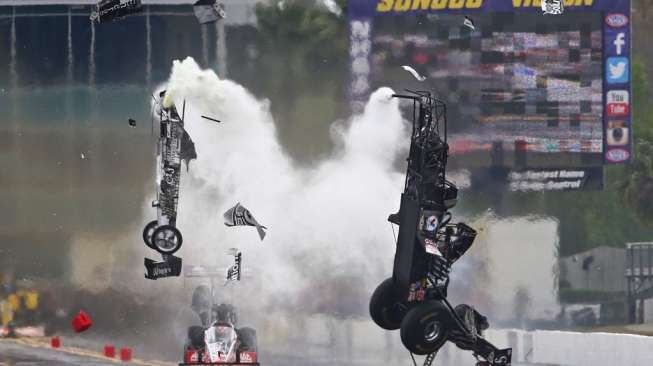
(618, 103)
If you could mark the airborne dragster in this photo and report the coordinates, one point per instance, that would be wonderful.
(414, 299)
(174, 146)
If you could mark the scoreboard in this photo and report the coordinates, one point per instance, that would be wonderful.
(539, 90)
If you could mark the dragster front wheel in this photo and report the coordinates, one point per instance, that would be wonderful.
(425, 327)
(196, 337)
(385, 307)
(148, 231)
(166, 239)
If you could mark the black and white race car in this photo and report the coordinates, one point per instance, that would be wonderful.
(414, 299)
(174, 146)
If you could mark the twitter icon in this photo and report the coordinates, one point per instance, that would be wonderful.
(617, 70)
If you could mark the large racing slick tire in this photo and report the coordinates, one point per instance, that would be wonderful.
(425, 327)
(248, 339)
(196, 337)
(201, 303)
(194, 342)
(385, 307)
(167, 239)
(148, 231)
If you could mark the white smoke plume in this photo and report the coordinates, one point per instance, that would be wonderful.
(328, 243)
(324, 217)
(332, 7)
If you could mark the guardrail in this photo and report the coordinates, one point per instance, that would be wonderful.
(360, 341)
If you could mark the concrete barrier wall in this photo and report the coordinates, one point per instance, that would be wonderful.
(576, 349)
(361, 343)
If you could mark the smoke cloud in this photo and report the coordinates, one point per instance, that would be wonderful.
(332, 7)
(325, 221)
(328, 243)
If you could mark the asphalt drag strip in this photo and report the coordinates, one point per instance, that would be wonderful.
(24, 352)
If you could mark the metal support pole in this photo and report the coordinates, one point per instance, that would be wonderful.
(205, 46)
(630, 309)
(628, 299)
(91, 58)
(148, 61)
(13, 74)
(221, 49)
(70, 72)
(71, 58)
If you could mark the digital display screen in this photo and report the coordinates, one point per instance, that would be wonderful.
(528, 84)
(519, 80)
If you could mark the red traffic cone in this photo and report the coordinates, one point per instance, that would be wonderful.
(126, 354)
(109, 351)
(81, 322)
(55, 342)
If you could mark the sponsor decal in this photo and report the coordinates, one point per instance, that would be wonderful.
(555, 179)
(367, 8)
(170, 267)
(548, 6)
(247, 357)
(618, 133)
(616, 20)
(431, 223)
(192, 356)
(553, 7)
(431, 247)
(417, 291)
(360, 48)
(617, 155)
(618, 103)
(617, 70)
(384, 6)
(233, 272)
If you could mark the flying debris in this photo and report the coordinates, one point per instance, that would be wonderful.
(132, 122)
(233, 272)
(211, 119)
(174, 147)
(162, 234)
(240, 216)
(414, 298)
(208, 11)
(81, 322)
(469, 23)
(112, 10)
(170, 267)
(414, 73)
(187, 152)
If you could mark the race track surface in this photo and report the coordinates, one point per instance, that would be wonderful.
(37, 352)
(18, 352)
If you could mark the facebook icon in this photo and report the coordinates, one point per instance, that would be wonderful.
(617, 42)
